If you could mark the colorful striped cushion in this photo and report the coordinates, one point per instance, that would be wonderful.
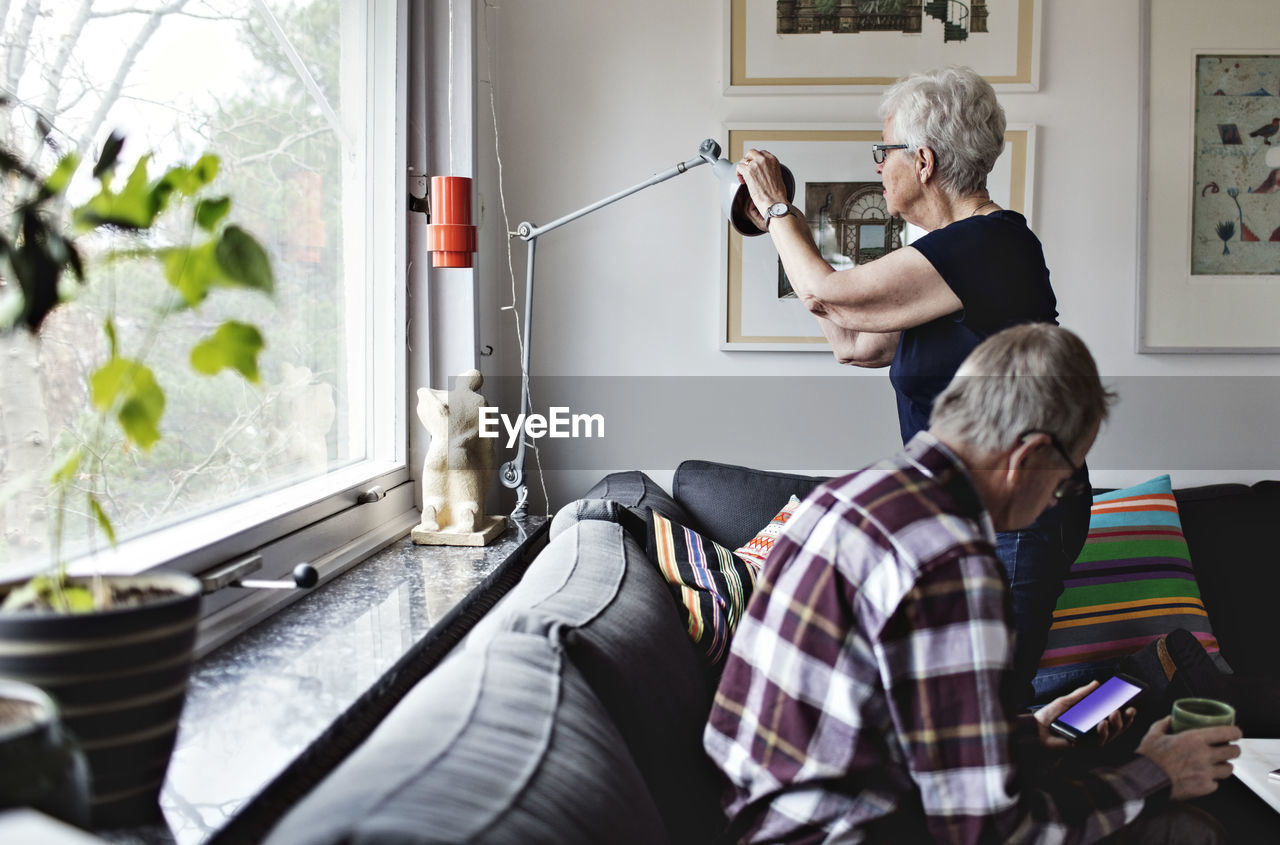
(1132, 583)
(711, 584)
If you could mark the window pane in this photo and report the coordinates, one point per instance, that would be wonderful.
(871, 236)
(277, 91)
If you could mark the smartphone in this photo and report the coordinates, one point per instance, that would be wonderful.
(1086, 713)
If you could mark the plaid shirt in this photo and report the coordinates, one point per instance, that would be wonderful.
(866, 678)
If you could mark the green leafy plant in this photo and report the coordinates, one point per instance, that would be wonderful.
(40, 266)
(1226, 229)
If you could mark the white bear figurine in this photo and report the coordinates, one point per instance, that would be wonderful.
(458, 467)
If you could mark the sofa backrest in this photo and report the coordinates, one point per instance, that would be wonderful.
(1227, 526)
(586, 656)
(730, 504)
(480, 751)
(1237, 562)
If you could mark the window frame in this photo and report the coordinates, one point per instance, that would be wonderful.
(323, 521)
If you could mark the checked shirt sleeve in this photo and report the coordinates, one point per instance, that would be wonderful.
(797, 724)
(942, 655)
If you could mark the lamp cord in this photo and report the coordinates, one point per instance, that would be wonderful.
(506, 224)
(452, 170)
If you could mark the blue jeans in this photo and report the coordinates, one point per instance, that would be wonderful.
(1036, 560)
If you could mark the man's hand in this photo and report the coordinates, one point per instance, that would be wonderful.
(1108, 729)
(1195, 760)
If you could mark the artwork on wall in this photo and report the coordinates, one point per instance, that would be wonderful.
(850, 224)
(1235, 222)
(840, 193)
(855, 46)
(1209, 251)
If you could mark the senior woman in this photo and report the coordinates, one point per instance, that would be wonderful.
(920, 309)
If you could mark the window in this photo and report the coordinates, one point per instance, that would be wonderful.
(303, 103)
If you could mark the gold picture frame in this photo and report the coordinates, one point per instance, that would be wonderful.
(754, 317)
(863, 46)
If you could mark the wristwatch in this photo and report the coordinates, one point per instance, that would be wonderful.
(778, 209)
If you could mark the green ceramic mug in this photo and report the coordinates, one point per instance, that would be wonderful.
(1189, 713)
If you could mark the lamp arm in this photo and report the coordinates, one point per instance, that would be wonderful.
(527, 231)
(512, 472)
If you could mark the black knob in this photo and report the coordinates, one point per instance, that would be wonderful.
(305, 575)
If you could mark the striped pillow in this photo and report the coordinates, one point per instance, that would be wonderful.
(1132, 583)
(711, 584)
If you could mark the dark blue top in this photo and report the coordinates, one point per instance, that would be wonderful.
(995, 265)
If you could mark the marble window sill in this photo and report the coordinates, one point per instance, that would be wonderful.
(257, 702)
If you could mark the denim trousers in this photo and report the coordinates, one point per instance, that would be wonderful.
(1036, 560)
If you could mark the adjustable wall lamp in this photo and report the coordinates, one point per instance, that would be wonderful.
(734, 198)
(451, 237)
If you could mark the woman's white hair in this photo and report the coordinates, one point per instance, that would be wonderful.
(1033, 377)
(954, 112)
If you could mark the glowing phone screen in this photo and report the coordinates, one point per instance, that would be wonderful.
(1099, 704)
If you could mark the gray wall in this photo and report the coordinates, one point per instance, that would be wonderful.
(591, 97)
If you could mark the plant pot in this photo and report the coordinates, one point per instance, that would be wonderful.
(41, 766)
(119, 677)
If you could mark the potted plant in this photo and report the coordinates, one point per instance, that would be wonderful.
(40, 764)
(115, 651)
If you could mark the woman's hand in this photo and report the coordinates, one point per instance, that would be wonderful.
(1108, 729)
(761, 172)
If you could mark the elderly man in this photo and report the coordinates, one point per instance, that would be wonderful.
(868, 695)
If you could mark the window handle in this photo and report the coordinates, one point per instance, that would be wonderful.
(373, 494)
(305, 576)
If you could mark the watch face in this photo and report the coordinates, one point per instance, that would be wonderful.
(779, 209)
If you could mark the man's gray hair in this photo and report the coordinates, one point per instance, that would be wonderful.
(954, 112)
(1034, 377)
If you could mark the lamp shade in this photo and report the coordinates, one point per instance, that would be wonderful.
(735, 198)
(450, 236)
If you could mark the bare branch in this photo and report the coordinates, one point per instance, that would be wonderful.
(4, 13)
(115, 13)
(282, 147)
(242, 421)
(218, 18)
(21, 41)
(130, 56)
(54, 71)
(126, 10)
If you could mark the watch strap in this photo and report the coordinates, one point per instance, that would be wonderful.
(770, 215)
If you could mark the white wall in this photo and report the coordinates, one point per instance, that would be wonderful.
(592, 97)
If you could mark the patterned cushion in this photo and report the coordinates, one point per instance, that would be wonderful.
(710, 583)
(756, 550)
(1132, 583)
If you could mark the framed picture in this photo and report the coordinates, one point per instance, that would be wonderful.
(1209, 229)
(840, 193)
(863, 46)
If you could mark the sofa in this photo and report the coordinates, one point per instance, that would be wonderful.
(572, 712)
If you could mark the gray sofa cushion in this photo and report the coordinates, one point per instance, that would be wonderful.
(608, 510)
(595, 590)
(495, 746)
(638, 492)
(730, 503)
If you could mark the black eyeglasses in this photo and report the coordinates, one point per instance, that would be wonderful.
(1068, 487)
(881, 151)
